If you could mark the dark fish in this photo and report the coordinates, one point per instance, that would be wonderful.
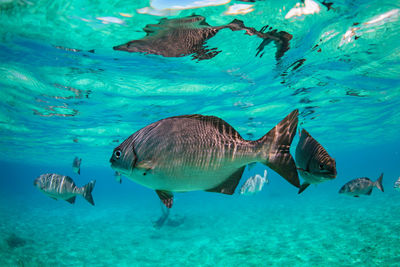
(76, 165)
(313, 162)
(118, 177)
(59, 186)
(361, 186)
(71, 49)
(196, 152)
(187, 36)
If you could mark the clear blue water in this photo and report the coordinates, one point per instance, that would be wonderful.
(57, 103)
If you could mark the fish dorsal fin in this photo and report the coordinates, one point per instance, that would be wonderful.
(221, 125)
(166, 197)
(71, 200)
(228, 186)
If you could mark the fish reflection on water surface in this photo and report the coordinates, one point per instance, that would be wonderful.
(185, 36)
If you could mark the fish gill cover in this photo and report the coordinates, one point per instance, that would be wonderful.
(65, 91)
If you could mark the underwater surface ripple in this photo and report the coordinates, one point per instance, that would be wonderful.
(64, 92)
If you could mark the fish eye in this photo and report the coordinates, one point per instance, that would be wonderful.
(321, 166)
(117, 154)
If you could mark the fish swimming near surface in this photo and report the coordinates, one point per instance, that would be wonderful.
(63, 187)
(397, 184)
(187, 36)
(313, 162)
(196, 152)
(76, 165)
(361, 186)
(118, 177)
(254, 184)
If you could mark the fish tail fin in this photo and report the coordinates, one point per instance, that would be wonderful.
(87, 191)
(276, 148)
(378, 183)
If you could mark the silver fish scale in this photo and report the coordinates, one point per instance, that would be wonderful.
(360, 183)
(166, 143)
(57, 183)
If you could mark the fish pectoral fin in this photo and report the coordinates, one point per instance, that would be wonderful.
(167, 197)
(229, 185)
(303, 187)
(71, 200)
(145, 164)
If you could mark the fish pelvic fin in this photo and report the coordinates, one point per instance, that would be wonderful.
(166, 197)
(275, 147)
(87, 192)
(378, 183)
(229, 185)
(303, 187)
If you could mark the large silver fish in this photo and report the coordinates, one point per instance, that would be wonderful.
(63, 187)
(313, 162)
(361, 186)
(76, 165)
(195, 152)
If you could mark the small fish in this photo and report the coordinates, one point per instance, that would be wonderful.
(196, 152)
(397, 184)
(254, 184)
(76, 165)
(118, 177)
(313, 162)
(361, 186)
(59, 186)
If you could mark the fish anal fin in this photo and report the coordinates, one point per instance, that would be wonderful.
(71, 200)
(228, 186)
(167, 197)
(369, 192)
(303, 187)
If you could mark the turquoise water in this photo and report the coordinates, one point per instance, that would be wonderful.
(342, 71)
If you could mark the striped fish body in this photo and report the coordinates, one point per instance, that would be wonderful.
(57, 186)
(195, 152)
(361, 186)
(63, 187)
(313, 161)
